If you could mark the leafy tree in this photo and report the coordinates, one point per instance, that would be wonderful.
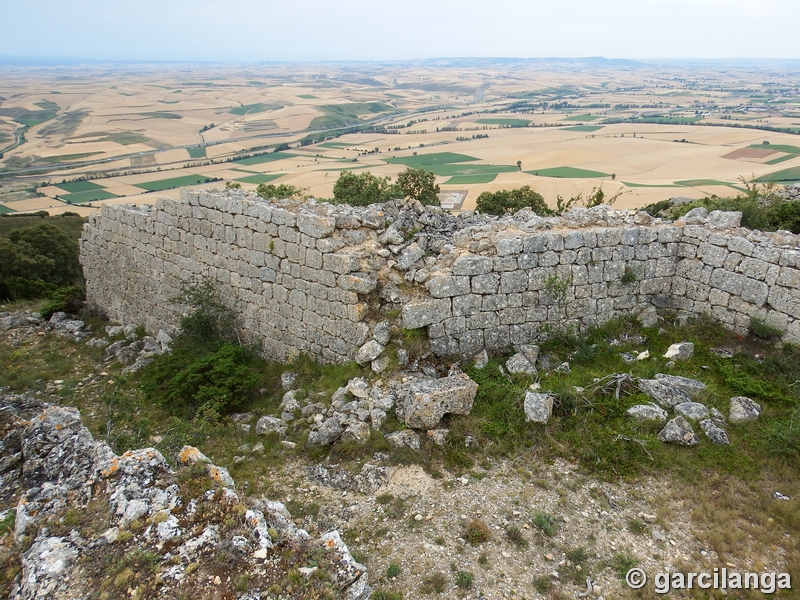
(420, 185)
(233, 185)
(364, 189)
(503, 201)
(268, 190)
(35, 261)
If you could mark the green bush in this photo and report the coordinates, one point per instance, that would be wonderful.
(36, 261)
(503, 201)
(208, 369)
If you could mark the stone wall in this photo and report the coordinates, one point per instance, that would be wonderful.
(311, 277)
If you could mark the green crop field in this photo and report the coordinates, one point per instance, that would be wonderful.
(649, 185)
(29, 118)
(4, 209)
(88, 196)
(776, 148)
(470, 179)
(65, 157)
(249, 109)
(568, 173)
(507, 122)
(780, 159)
(197, 152)
(347, 115)
(260, 178)
(79, 186)
(174, 182)
(358, 168)
(464, 170)
(307, 96)
(581, 118)
(263, 158)
(434, 158)
(160, 115)
(790, 174)
(336, 145)
(586, 128)
(47, 105)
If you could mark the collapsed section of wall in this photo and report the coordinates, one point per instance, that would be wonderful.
(311, 277)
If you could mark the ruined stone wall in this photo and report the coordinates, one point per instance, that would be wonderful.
(311, 277)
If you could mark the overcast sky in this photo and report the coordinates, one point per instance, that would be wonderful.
(307, 30)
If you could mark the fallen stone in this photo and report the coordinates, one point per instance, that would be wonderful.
(718, 418)
(380, 364)
(688, 385)
(405, 438)
(438, 436)
(358, 387)
(357, 433)
(696, 216)
(715, 433)
(743, 409)
(665, 395)
(648, 317)
(678, 431)
(724, 219)
(538, 407)
(680, 351)
(424, 402)
(529, 351)
(269, 424)
(328, 433)
(287, 380)
(647, 412)
(692, 410)
(481, 359)
(520, 364)
(369, 352)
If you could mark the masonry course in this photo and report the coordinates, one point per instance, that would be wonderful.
(308, 277)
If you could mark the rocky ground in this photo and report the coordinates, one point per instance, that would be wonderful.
(92, 524)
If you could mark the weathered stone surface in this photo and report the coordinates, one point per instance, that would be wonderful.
(382, 333)
(678, 431)
(269, 424)
(518, 363)
(357, 433)
(715, 433)
(538, 407)
(420, 314)
(315, 226)
(680, 351)
(664, 394)
(423, 403)
(743, 409)
(720, 219)
(446, 287)
(648, 317)
(691, 386)
(468, 264)
(647, 412)
(357, 282)
(369, 352)
(358, 387)
(438, 436)
(405, 438)
(329, 432)
(692, 410)
(410, 254)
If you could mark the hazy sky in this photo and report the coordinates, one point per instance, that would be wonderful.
(258, 30)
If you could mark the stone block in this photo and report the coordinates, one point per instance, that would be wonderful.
(421, 403)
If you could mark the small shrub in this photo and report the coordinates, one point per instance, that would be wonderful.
(514, 535)
(477, 532)
(483, 560)
(760, 328)
(393, 570)
(546, 523)
(464, 580)
(622, 562)
(629, 276)
(384, 595)
(542, 584)
(433, 583)
(637, 525)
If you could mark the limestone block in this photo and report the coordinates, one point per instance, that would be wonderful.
(422, 403)
(361, 283)
(448, 286)
(469, 264)
(341, 263)
(315, 226)
(421, 313)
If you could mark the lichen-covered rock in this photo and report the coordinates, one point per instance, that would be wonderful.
(369, 352)
(518, 363)
(664, 394)
(680, 351)
(692, 410)
(405, 438)
(268, 424)
(691, 386)
(743, 409)
(538, 407)
(678, 431)
(357, 433)
(328, 432)
(423, 402)
(647, 412)
(715, 433)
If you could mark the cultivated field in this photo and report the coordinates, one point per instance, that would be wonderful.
(81, 136)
